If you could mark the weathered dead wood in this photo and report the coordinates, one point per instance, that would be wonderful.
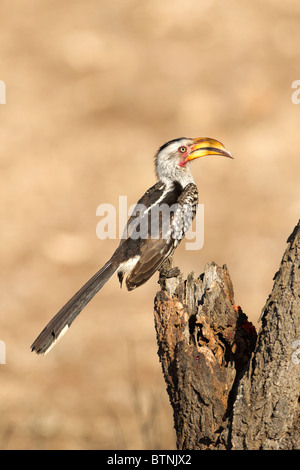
(227, 390)
(266, 411)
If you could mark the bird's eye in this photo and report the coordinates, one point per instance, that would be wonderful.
(182, 149)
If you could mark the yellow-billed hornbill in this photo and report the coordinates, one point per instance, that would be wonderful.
(151, 238)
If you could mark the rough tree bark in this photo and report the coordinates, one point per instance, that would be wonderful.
(229, 387)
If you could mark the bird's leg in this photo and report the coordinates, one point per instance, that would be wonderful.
(167, 270)
(169, 277)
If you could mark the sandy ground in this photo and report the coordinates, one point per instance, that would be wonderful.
(92, 90)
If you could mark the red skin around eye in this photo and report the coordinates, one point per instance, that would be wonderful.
(183, 157)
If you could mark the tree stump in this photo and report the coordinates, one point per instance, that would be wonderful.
(229, 387)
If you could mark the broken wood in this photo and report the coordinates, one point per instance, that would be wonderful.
(229, 388)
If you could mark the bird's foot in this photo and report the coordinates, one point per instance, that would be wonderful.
(168, 273)
(167, 270)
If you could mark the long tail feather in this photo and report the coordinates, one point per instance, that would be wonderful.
(62, 321)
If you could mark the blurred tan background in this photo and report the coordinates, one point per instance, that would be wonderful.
(93, 89)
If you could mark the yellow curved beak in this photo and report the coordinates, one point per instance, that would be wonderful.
(205, 146)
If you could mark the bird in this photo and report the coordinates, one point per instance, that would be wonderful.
(150, 237)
